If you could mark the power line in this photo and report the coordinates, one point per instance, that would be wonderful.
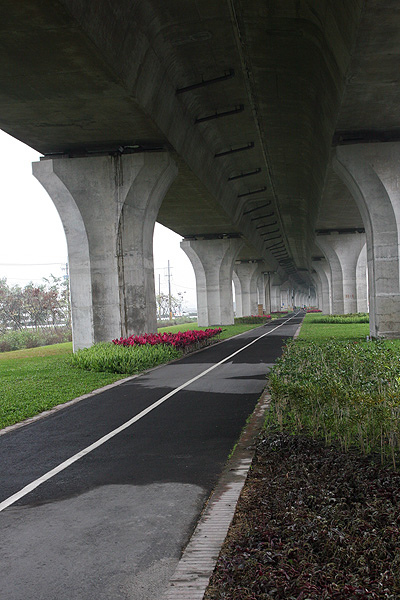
(184, 287)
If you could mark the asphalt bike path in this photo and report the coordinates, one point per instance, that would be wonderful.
(111, 521)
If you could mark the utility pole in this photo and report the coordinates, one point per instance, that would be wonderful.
(169, 292)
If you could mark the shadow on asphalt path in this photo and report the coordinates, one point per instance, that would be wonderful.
(113, 524)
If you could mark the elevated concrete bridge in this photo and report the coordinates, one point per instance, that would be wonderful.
(265, 133)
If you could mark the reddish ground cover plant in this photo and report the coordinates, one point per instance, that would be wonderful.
(178, 340)
(312, 523)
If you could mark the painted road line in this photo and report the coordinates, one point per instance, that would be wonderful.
(67, 463)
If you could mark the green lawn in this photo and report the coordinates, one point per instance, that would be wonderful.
(318, 332)
(38, 379)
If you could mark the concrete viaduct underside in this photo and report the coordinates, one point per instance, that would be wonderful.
(266, 133)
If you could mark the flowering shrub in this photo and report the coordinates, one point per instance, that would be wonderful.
(313, 310)
(178, 340)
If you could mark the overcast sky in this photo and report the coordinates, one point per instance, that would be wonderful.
(32, 240)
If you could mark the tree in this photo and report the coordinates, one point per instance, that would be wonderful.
(163, 307)
(35, 306)
(11, 306)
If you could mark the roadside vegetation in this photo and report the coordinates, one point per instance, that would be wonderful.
(339, 319)
(34, 315)
(253, 319)
(37, 379)
(320, 328)
(227, 330)
(342, 392)
(319, 517)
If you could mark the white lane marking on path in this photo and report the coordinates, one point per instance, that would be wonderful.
(64, 465)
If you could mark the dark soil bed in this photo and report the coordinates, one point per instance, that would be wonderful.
(312, 523)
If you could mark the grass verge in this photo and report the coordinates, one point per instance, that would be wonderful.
(317, 331)
(339, 319)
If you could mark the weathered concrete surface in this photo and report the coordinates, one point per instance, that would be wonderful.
(342, 252)
(325, 301)
(248, 97)
(247, 274)
(362, 281)
(128, 59)
(213, 261)
(370, 174)
(108, 207)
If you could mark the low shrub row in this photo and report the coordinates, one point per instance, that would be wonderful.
(342, 319)
(33, 338)
(138, 353)
(107, 357)
(340, 391)
(175, 321)
(252, 319)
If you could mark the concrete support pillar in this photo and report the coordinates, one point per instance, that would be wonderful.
(317, 296)
(285, 298)
(261, 288)
(371, 172)
(212, 262)
(247, 275)
(336, 275)
(108, 207)
(324, 292)
(267, 291)
(275, 298)
(238, 295)
(342, 252)
(362, 281)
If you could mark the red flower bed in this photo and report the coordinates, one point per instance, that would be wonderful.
(179, 340)
(313, 310)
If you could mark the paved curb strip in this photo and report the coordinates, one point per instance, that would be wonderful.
(192, 575)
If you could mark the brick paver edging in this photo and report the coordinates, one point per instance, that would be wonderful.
(195, 568)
